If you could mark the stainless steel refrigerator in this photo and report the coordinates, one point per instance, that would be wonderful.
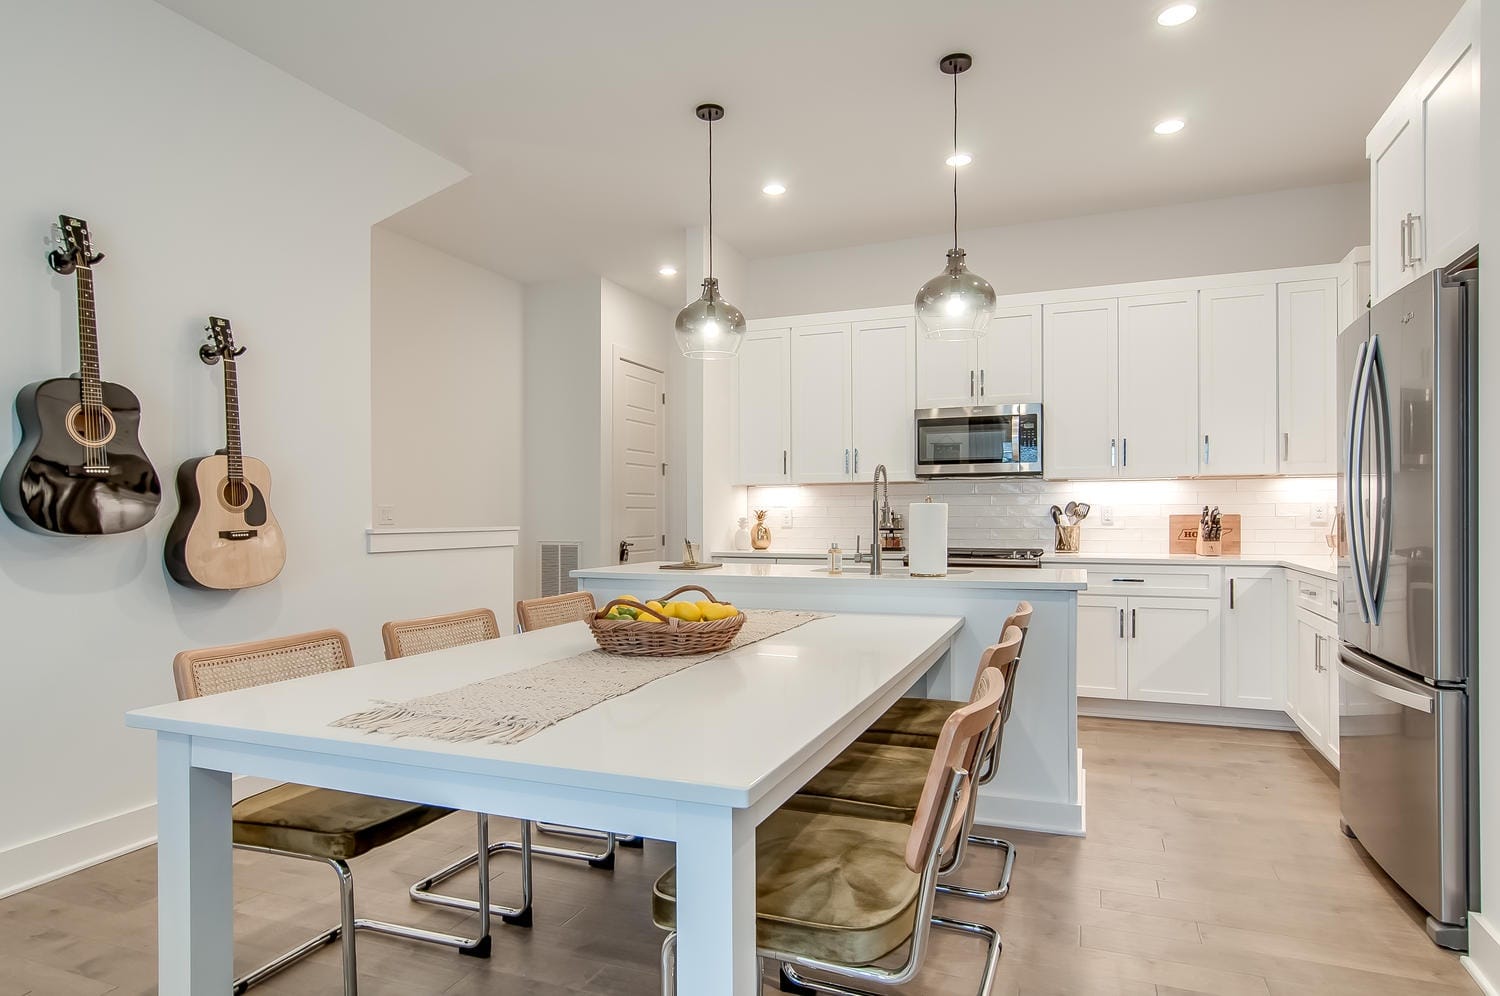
(1406, 608)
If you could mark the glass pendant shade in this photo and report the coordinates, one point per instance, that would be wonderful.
(712, 328)
(955, 304)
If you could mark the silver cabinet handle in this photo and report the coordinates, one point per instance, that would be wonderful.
(783, 461)
(1132, 624)
(1405, 256)
(1205, 449)
(971, 383)
(981, 382)
(1111, 452)
(1124, 451)
(856, 459)
(1411, 237)
(1231, 593)
(1131, 580)
(1286, 446)
(1122, 624)
(846, 461)
(1318, 654)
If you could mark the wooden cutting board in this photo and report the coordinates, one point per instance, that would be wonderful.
(1184, 534)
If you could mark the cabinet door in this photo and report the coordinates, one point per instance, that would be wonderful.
(1237, 381)
(885, 388)
(947, 372)
(1307, 329)
(1101, 647)
(1395, 192)
(1174, 650)
(822, 451)
(1010, 357)
(1080, 346)
(1310, 681)
(1158, 390)
(763, 403)
(1449, 225)
(1254, 671)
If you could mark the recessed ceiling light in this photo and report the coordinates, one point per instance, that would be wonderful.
(667, 270)
(1171, 126)
(774, 189)
(1178, 13)
(959, 159)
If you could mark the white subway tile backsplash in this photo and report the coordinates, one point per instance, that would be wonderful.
(1276, 512)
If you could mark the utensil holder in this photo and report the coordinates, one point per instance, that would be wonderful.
(1068, 538)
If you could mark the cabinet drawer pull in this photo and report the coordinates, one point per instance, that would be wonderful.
(1129, 580)
(1231, 593)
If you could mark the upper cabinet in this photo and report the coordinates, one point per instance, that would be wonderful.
(1307, 325)
(1237, 381)
(884, 397)
(1080, 384)
(822, 404)
(1158, 390)
(1004, 366)
(763, 404)
(1424, 163)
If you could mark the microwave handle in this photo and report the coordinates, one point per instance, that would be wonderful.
(1015, 438)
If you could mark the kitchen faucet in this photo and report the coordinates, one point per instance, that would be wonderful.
(880, 514)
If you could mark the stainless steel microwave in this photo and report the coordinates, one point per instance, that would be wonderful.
(979, 441)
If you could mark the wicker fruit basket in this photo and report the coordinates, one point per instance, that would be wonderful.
(669, 637)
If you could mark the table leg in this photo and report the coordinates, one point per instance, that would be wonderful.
(716, 902)
(194, 873)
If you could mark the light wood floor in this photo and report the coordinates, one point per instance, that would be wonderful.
(1213, 864)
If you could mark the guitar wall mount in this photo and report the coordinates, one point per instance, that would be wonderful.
(61, 260)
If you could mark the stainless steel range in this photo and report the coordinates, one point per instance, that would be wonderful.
(996, 557)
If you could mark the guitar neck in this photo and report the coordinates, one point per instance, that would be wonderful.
(88, 338)
(236, 459)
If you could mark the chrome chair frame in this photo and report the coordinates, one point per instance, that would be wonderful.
(516, 916)
(789, 964)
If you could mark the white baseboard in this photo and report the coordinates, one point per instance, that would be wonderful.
(1483, 959)
(1176, 712)
(1040, 815)
(39, 861)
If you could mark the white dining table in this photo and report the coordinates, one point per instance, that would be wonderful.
(699, 758)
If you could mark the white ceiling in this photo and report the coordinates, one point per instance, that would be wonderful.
(576, 118)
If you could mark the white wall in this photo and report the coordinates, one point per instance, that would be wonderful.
(445, 372)
(1260, 231)
(217, 184)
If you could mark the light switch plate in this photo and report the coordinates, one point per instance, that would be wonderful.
(385, 515)
(786, 518)
(1107, 516)
(1320, 515)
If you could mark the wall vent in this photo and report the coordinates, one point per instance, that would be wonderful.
(558, 561)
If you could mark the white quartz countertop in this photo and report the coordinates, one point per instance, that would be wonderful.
(1324, 567)
(1018, 578)
(773, 554)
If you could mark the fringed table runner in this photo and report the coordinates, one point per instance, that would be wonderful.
(513, 707)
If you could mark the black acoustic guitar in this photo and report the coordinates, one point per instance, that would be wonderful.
(80, 469)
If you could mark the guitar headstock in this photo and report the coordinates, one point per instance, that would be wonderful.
(75, 246)
(220, 344)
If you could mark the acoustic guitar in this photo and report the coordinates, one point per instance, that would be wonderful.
(80, 469)
(224, 536)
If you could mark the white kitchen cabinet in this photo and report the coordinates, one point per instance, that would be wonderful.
(1004, 366)
(1080, 419)
(1174, 653)
(1255, 648)
(763, 407)
(1102, 645)
(1307, 331)
(1312, 648)
(884, 396)
(822, 404)
(1395, 152)
(1354, 286)
(1237, 409)
(1158, 385)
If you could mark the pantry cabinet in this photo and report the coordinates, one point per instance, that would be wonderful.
(822, 404)
(1254, 655)
(1307, 330)
(1237, 405)
(1080, 378)
(763, 407)
(1004, 366)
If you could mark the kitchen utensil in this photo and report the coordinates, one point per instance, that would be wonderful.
(1057, 515)
(1083, 510)
(1070, 510)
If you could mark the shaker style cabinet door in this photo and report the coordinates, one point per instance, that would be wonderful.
(1159, 385)
(947, 372)
(884, 398)
(1307, 333)
(1010, 358)
(1102, 646)
(822, 405)
(1395, 197)
(1080, 421)
(1449, 107)
(763, 404)
(1174, 650)
(1237, 381)
(1255, 609)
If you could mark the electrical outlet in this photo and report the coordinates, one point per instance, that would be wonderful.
(1320, 515)
(385, 515)
(1107, 516)
(786, 518)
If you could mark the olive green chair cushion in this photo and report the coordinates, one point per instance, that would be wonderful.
(869, 781)
(912, 723)
(826, 887)
(326, 823)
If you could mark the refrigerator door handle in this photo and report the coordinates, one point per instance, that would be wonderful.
(1402, 691)
(1385, 471)
(1353, 477)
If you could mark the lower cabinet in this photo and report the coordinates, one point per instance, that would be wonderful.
(1255, 648)
(1101, 647)
(1312, 683)
(1149, 649)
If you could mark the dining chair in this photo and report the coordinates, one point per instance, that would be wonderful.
(407, 638)
(914, 722)
(316, 824)
(838, 895)
(541, 613)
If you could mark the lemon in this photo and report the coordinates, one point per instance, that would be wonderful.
(656, 606)
(630, 598)
(688, 612)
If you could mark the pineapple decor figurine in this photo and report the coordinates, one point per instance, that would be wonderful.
(760, 535)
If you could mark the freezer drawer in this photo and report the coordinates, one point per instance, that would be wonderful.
(1403, 780)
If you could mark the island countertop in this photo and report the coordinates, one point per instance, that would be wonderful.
(857, 575)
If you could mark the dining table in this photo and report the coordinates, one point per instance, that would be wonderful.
(698, 758)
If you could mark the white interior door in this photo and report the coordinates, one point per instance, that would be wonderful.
(884, 397)
(763, 406)
(1174, 650)
(1307, 327)
(822, 451)
(1237, 380)
(1159, 385)
(1101, 647)
(1079, 424)
(639, 476)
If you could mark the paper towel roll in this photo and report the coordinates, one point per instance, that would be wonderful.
(927, 538)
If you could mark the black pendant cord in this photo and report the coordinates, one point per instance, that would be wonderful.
(710, 198)
(955, 160)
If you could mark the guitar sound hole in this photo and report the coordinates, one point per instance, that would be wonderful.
(92, 427)
(236, 494)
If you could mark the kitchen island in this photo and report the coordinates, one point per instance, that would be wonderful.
(1040, 783)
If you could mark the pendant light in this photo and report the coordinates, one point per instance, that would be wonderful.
(710, 327)
(955, 304)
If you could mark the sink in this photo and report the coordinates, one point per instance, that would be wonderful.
(863, 570)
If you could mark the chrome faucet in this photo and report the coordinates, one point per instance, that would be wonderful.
(880, 514)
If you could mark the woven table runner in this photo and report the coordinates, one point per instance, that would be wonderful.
(513, 707)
